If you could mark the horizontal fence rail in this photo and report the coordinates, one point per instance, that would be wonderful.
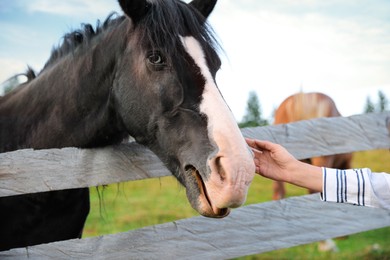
(30, 171)
(248, 230)
(328, 136)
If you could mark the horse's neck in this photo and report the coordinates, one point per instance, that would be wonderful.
(68, 104)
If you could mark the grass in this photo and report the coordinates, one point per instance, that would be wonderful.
(131, 205)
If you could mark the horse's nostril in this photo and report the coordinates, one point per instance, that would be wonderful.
(189, 167)
(220, 168)
(190, 170)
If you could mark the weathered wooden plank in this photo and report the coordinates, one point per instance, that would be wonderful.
(28, 171)
(248, 230)
(327, 136)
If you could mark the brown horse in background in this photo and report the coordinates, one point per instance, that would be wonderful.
(304, 106)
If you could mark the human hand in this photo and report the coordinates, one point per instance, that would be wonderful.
(272, 160)
(275, 162)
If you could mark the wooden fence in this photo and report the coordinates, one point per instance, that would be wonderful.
(248, 230)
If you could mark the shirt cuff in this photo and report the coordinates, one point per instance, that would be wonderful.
(345, 186)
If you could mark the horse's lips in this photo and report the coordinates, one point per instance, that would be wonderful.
(206, 205)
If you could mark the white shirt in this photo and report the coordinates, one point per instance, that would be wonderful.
(356, 186)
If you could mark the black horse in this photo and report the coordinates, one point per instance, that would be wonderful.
(149, 74)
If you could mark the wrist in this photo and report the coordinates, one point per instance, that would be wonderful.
(295, 173)
(307, 176)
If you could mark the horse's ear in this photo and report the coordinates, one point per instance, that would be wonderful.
(205, 7)
(135, 9)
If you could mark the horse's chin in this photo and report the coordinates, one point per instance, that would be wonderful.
(203, 205)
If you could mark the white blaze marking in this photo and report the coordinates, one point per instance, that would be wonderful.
(222, 125)
(233, 172)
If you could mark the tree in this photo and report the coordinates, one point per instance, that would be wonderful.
(382, 102)
(253, 115)
(369, 107)
(381, 105)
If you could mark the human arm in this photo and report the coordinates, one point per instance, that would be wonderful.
(354, 186)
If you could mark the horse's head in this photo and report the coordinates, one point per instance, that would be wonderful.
(166, 95)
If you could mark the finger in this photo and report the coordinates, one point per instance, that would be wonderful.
(257, 151)
(250, 142)
(257, 168)
(254, 143)
(261, 144)
(266, 145)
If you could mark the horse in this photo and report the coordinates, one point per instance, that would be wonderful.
(304, 106)
(149, 73)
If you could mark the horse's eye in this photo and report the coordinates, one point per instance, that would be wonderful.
(156, 58)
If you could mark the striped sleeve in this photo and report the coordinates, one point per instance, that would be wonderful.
(356, 186)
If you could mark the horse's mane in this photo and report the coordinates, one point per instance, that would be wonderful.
(79, 37)
(72, 40)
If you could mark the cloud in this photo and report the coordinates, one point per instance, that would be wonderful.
(277, 48)
(79, 8)
(15, 33)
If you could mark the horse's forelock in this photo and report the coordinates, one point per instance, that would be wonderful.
(167, 20)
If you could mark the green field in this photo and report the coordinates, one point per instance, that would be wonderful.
(136, 204)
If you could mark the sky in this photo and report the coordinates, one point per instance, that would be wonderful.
(274, 48)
